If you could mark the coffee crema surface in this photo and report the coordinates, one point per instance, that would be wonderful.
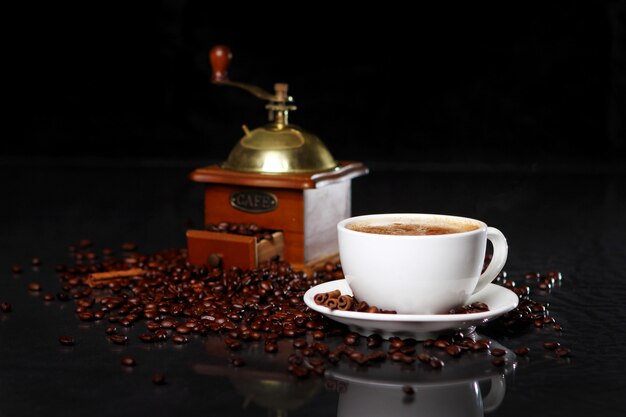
(412, 228)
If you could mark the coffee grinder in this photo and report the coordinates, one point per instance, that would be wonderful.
(279, 177)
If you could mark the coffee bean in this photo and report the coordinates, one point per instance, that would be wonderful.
(395, 343)
(128, 361)
(441, 344)
(435, 363)
(358, 357)
(183, 329)
(85, 243)
(48, 297)
(351, 339)
(118, 339)
(454, 350)
(408, 390)
(374, 341)
(66, 340)
(35, 262)
(498, 352)
(532, 275)
(498, 361)
(377, 356)
(522, 351)
(16, 269)
(158, 378)
(34, 286)
(562, 351)
(238, 361)
(300, 343)
(318, 335)
(179, 339)
(86, 315)
(6, 307)
(148, 337)
(129, 246)
(479, 345)
(271, 347)
(551, 345)
(428, 343)
(424, 357)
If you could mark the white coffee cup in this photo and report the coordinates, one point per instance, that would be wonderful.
(418, 274)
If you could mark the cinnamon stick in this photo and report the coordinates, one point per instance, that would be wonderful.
(344, 302)
(100, 277)
(320, 298)
(323, 297)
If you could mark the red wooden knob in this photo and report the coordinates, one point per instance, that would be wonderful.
(220, 57)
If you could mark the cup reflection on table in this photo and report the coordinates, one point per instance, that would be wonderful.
(460, 399)
(471, 387)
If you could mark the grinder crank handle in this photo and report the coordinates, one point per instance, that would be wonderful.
(220, 57)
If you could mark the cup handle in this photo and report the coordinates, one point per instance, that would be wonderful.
(496, 394)
(500, 252)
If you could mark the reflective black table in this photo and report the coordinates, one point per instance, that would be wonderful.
(567, 219)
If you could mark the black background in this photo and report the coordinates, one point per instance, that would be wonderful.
(530, 83)
(108, 108)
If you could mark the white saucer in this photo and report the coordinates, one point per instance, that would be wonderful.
(418, 326)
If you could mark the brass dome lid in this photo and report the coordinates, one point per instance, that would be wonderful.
(279, 148)
(276, 148)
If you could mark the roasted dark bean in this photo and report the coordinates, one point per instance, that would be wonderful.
(374, 341)
(6, 307)
(498, 361)
(237, 361)
(271, 347)
(454, 350)
(498, 352)
(441, 344)
(300, 343)
(562, 351)
(118, 339)
(179, 339)
(551, 345)
(435, 363)
(158, 378)
(66, 340)
(522, 351)
(358, 357)
(148, 337)
(128, 361)
(183, 329)
(86, 315)
(318, 335)
(351, 339)
(377, 356)
(34, 286)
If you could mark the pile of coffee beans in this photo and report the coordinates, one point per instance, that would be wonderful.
(246, 229)
(174, 299)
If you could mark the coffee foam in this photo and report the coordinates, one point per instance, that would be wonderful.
(422, 223)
